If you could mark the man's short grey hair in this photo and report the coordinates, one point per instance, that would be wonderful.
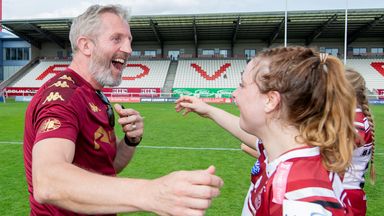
(88, 23)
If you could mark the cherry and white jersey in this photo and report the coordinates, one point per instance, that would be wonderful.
(257, 171)
(354, 177)
(296, 180)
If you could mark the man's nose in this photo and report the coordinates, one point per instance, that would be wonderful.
(126, 47)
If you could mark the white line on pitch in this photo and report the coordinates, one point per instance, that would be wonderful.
(10, 142)
(175, 147)
(191, 148)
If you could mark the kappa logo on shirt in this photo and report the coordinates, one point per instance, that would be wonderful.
(62, 84)
(53, 97)
(49, 124)
(65, 77)
(93, 107)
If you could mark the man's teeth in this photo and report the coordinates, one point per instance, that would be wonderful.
(119, 61)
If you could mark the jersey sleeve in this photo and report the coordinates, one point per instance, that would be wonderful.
(57, 121)
(290, 208)
(363, 129)
(58, 112)
(316, 186)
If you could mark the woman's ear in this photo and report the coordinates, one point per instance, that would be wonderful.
(272, 101)
(85, 45)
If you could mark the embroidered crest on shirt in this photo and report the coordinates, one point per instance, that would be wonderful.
(53, 97)
(62, 84)
(65, 77)
(49, 124)
(100, 136)
(93, 107)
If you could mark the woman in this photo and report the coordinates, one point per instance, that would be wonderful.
(363, 154)
(298, 102)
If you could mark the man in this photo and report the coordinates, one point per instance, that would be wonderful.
(71, 153)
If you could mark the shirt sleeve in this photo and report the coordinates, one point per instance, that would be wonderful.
(57, 121)
(290, 208)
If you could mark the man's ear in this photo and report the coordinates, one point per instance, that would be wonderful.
(272, 101)
(85, 45)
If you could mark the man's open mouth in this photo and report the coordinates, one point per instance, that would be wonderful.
(118, 63)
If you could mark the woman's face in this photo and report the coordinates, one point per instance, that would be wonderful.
(248, 98)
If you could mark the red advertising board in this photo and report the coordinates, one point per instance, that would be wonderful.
(110, 92)
(132, 92)
(380, 92)
(20, 91)
(124, 99)
(217, 100)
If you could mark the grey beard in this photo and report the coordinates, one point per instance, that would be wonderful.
(101, 72)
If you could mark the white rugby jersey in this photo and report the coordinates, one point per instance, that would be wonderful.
(354, 177)
(297, 179)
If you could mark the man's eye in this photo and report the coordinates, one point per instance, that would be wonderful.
(241, 85)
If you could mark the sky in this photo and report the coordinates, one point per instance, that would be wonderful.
(46, 9)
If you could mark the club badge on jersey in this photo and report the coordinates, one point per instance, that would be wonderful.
(256, 168)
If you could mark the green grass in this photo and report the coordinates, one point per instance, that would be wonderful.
(164, 127)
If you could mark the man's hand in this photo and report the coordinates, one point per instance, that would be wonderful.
(131, 123)
(184, 192)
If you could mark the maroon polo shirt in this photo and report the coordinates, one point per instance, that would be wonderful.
(67, 107)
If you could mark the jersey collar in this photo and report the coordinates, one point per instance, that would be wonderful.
(295, 153)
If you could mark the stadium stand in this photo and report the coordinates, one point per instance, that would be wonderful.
(209, 73)
(143, 74)
(372, 71)
(42, 72)
(192, 73)
(211, 49)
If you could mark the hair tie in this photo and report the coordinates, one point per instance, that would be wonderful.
(323, 57)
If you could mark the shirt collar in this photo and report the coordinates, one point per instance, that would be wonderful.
(295, 153)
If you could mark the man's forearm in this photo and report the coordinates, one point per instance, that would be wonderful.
(124, 155)
(78, 190)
